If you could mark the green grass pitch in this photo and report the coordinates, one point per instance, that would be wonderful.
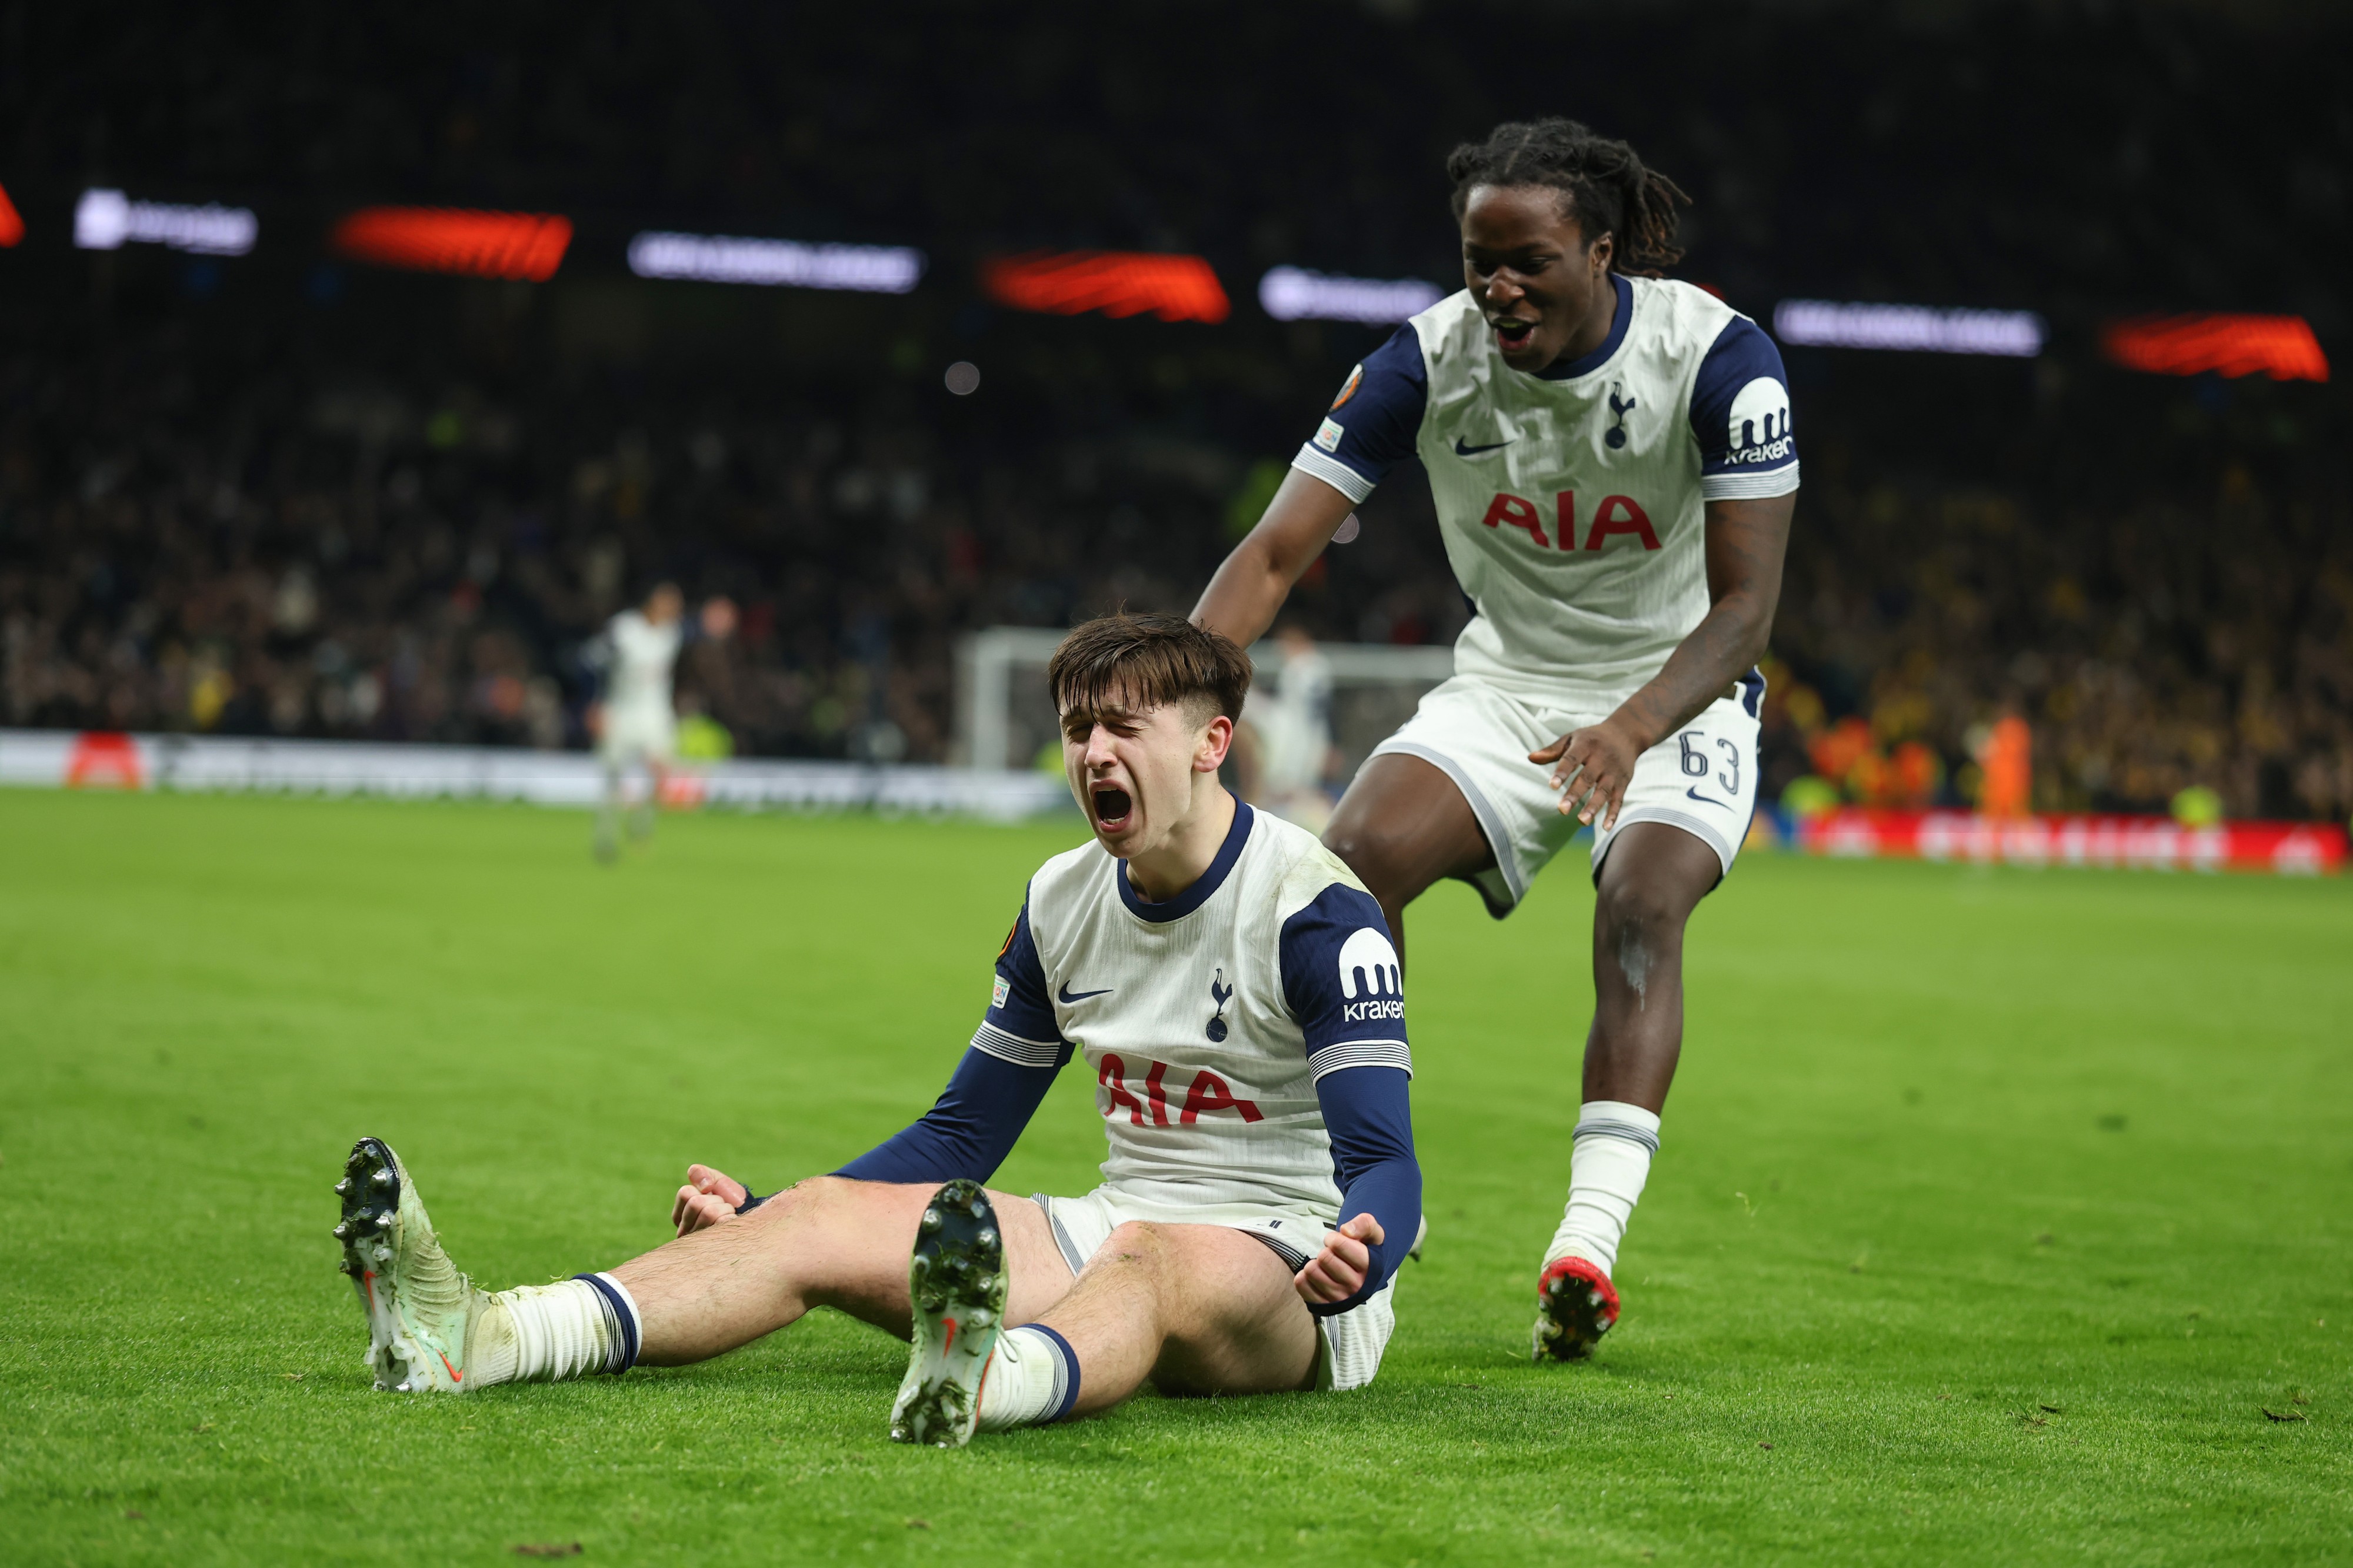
(1996, 1208)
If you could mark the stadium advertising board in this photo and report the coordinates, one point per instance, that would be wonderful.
(108, 760)
(777, 263)
(2281, 347)
(2147, 842)
(1918, 329)
(1116, 282)
(528, 246)
(1296, 294)
(108, 220)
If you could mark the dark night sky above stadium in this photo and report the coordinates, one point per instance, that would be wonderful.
(2073, 158)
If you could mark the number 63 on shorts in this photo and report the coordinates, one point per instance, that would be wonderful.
(1701, 779)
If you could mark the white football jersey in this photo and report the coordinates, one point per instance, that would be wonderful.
(643, 656)
(1572, 501)
(1206, 1019)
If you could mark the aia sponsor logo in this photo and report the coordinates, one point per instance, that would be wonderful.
(1372, 981)
(1614, 516)
(1208, 1095)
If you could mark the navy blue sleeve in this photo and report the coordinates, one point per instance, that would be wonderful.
(1740, 416)
(1370, 1118)
(1019, 1024)
(975, 1124)
(1375, 420)
(996, 1088)
(1344, 985)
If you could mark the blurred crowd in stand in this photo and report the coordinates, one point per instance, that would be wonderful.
(2150, 652)
(297, 555)
(187, 546)
(279, 495)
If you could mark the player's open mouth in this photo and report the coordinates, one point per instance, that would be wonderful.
(1512, 334)
(1111, 805)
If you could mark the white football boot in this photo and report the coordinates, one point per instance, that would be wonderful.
(956, 1285)
(419, 1306)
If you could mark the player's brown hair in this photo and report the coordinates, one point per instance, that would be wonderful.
(1609, 189)
(1150, 659)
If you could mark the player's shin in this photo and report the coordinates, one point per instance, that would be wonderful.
(1607, 1165)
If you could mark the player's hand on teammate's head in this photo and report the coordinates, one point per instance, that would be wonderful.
(707, 1198)
(719, 616)
(1338, 1271)
(1593, 767)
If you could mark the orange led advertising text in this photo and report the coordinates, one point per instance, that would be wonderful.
(2281, 347)
(445, 239)
(1117, 283)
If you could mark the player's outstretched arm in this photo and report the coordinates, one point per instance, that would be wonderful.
(1747, 541)
(1256, 577)
(968, 1132)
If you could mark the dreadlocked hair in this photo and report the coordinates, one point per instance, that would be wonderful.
(1610, 191)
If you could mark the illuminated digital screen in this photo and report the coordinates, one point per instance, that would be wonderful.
(1918, 329)
(11, 227)
(1295, 294)
(777, 263)
(525, 246)
(2281, 347)
(1117, 283)
(109, 220)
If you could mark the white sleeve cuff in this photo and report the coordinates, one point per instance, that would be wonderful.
(1013, 1049)
(1749, 487)
(1343, 1054)
(1337, 474)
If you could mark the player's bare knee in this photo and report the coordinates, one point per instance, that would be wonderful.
(1637, 910)
(1377, 854)
(1138, 1245)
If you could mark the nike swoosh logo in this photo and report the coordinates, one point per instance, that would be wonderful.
(455, 1375)
(1707, 799)
(1065, 995)
(1463, 451)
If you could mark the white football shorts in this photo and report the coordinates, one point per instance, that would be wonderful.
(638, 730)
(1703, 779)
(1352, 1342)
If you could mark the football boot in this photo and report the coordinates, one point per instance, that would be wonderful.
(419, 1306)
(1576, 1305)
(955, 1287)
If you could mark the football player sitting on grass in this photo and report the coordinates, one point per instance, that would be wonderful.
(1236, 993)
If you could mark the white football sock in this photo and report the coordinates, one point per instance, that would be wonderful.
(1032, 1379)
(545, 1333)
(1606, 1167)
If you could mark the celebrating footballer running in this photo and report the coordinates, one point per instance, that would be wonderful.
(1614, 472)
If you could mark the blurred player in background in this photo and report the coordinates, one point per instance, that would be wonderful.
(1614, 474)
(1290, 725)
(633, 721)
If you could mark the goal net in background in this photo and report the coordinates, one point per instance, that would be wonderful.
(1004, 718)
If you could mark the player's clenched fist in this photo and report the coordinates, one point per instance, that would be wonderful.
(1337, 1272)
(1594, 765)
(708, 1197)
